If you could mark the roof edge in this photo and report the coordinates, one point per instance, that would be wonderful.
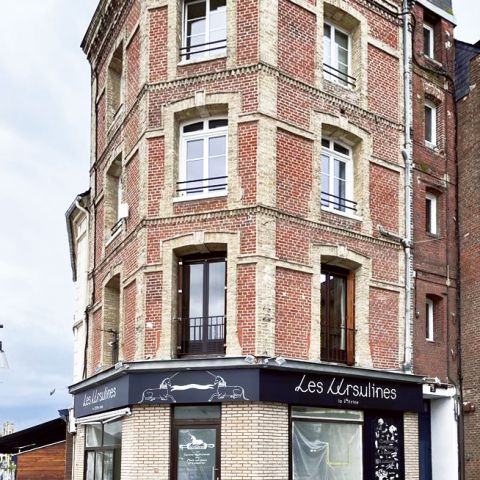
(439, 11)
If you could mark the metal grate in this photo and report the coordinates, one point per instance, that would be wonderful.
(201, 335)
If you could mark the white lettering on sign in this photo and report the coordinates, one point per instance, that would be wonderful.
(99, 396)
(342, 388)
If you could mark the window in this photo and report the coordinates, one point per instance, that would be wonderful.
(326, 443)
(337, 177)
(204, 29)
(431, 213)
(201, 305)
(196, 442)
(337, 315)
(111, 321)
(115, 83)
(428, 40)
(113, 199)
(336, 56)
(429, 315)
(203, 158)
(430, 124)
(103, 443)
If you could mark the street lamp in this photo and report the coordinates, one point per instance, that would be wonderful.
(3, 356)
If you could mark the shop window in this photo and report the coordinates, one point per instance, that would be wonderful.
(431, 219)
(111, 321)
(201, 305)
(204, 29)
(103, 444)
(337, 315)
(196, 442)
(326, 443)
(115, 83)
(429, 319)
(428, 40)
(430, 124)
(337, 177)
(203, 158)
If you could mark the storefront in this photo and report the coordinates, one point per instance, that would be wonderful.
(339, 425)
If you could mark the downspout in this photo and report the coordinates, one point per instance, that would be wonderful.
(407, 156)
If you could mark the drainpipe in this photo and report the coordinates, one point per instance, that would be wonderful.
(407, 156)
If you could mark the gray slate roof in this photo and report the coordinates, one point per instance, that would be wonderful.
(443, 4)
(464, 52)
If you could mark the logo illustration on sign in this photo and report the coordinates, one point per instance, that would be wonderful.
(166, 389)
(196, 444)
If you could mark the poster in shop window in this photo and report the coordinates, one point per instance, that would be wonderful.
(385, 447)
(196, 453)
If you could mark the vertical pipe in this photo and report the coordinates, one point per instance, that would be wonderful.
(407, 155)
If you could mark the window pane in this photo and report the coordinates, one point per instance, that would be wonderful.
(193, 127)
(325, 179)
(98, 465)
(90, 466)
(220, 122)
(428, 214)
(341, 149)
(340, 184)
(112, 433)
(194, 149)
(341, 40)
(195, 307)
(197, 412)
(108, 465)
(327, 49)
(196, 453)
(428, 123)
(216, 300)
(337, 314)
(327, 413)
(94, 435)
(217, 162)
(327, 451)
(427, 39)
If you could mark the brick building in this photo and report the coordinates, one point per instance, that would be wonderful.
(246, 303)
(468, 100)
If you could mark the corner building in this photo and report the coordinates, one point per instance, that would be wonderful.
(240, 280)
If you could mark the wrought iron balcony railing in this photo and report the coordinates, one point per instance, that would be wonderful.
(202, 185)
(204, 47)
(201, 335)
(338, 344)
(340, 76)
(338, 203)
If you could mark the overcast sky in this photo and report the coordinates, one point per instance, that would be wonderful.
(44, 158)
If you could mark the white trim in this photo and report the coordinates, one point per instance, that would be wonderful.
(433, 213)
(429, 313)
(103, 417)
(440, 12)
(431, 31)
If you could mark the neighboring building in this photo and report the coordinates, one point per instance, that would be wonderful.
(435, 333)
(244, 311)
(7, 465)
(467, 77)
(39, 452)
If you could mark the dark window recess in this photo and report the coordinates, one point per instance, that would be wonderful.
(196, 442)
(201, 318)
(337, 315)
(103, 443)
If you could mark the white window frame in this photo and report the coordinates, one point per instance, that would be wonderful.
(433, 131)
(429, 323)
(433, 220)
(430, 52)
(334, 57)
(349, 190)
(205, 134)
(204, 54)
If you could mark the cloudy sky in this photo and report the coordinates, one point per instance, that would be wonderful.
(44, 149)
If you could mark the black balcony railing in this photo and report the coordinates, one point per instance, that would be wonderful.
(190, 50)
(338, 203)
(338, 344)
(201, 335)
(342, 77)
(202, 185)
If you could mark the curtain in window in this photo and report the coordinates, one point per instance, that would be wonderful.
(327, 451)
